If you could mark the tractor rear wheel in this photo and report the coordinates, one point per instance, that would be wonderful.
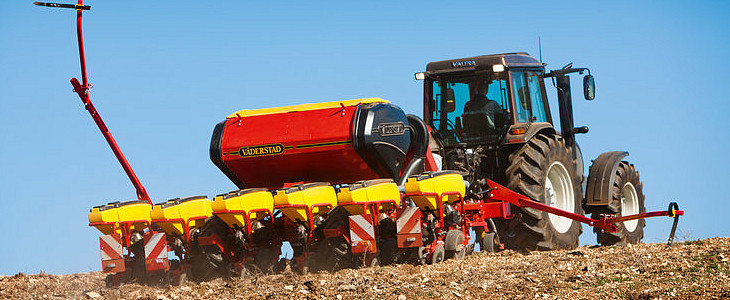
(627, 199)
(544, 170)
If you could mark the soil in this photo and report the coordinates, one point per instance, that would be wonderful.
(690, 270)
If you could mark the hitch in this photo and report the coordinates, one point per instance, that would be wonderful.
(606, 222)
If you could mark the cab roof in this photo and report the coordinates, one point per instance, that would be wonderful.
(484, 62)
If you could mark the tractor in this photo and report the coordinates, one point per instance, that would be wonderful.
(490, 118)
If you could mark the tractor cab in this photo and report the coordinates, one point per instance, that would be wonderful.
(483, 100)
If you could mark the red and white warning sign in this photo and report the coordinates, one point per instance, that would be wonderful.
(408, 227)
(112, 257)
(362, 234)
(155, 251)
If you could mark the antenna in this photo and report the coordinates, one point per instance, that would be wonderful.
(539, 47)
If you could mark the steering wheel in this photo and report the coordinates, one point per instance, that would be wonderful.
(451, 126)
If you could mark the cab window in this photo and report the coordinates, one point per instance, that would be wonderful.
(470, 109)
(529, 104)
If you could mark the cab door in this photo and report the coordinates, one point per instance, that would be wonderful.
(528, 97)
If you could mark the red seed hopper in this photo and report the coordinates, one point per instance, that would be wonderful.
(335, 142)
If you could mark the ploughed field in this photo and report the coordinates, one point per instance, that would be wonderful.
(697, 269)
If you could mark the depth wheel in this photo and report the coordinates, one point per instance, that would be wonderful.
(438, 254)
(489, 242)
(418, 255)
(374, 262)
(627, 199)
(454, 245)
(544, 170)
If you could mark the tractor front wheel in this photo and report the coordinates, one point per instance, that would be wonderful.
(627, 198)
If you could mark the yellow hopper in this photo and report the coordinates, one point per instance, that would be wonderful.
(179, 215)
(110, 218)
(381, 192)
(426, 189)
(234, 207)
(298, 201)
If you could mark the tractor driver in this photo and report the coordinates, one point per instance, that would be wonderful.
(480, 104)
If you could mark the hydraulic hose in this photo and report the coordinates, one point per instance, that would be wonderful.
(419, 145)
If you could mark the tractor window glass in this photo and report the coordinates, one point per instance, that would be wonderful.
(536, 101)
(471, 109)
(522, 97)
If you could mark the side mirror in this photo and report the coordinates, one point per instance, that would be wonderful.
(589, 87)
(449, 101)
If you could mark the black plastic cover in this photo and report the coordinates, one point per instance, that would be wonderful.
(381, 136)
(433, 174)
(217, 158)
(304, 186)
(368, 183)
(240, 193)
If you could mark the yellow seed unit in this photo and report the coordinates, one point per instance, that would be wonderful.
(232, 207)
(173, 214)
(317, 197)
(353, 196)
(110, 216)
(435, 183)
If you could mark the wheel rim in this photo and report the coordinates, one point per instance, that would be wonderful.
(559, 194)
(629, 205)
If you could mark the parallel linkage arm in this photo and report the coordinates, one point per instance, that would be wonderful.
(82, 89)
(606, 222)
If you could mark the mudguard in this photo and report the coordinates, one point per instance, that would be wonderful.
(600, 179)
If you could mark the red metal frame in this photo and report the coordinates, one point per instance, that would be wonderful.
(126, 227)
(497, 205)
(185, 224)
(442, 231)
(82, 89)
(308, 209)
(283, 227)
(606, 223)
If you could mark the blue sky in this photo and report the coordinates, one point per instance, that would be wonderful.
(164, 74)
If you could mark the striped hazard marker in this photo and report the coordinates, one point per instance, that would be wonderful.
(408, 227)
(155, 251)
(112, 257)
(362, 234)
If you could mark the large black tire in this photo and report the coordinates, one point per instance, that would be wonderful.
(627, 198)
(209, 262)
(527, 174)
